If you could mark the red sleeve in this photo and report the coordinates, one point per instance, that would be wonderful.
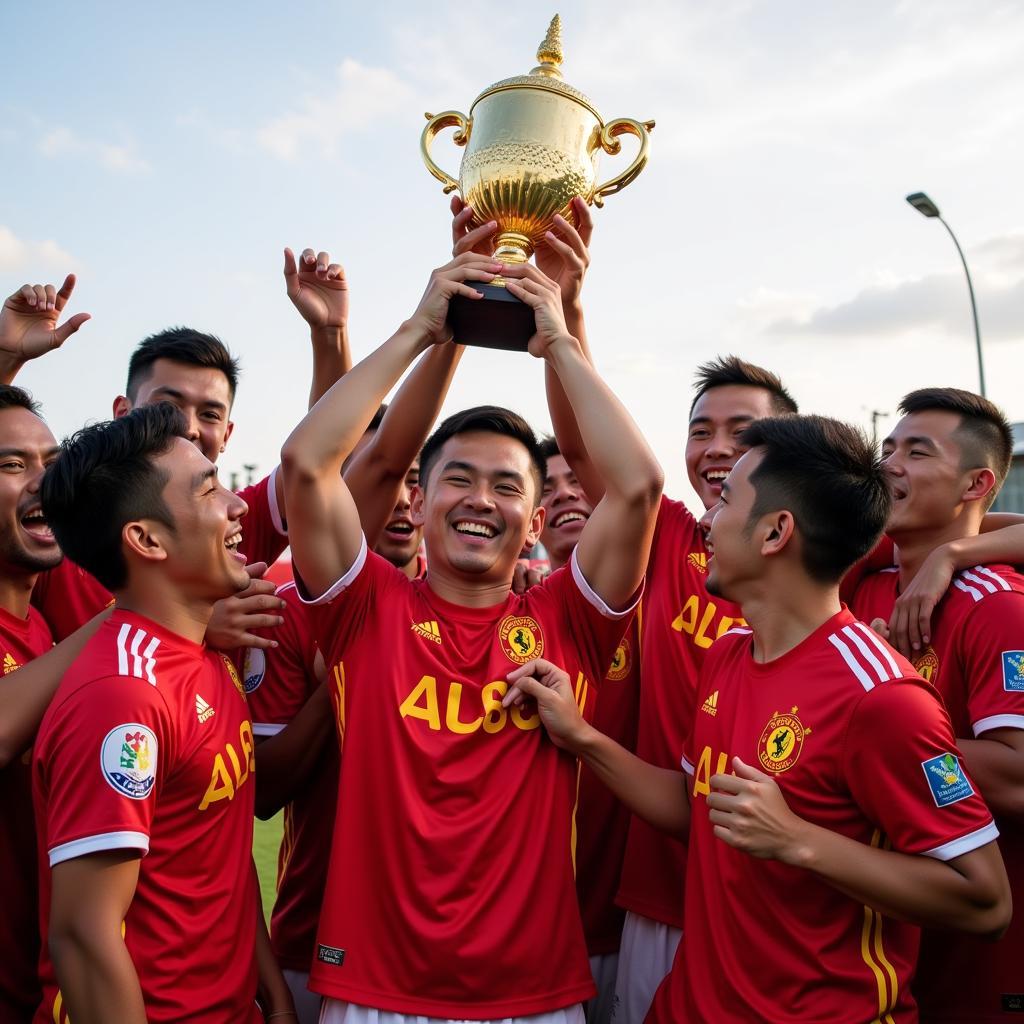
(68, 597)
(278, 681)
(906, 774)
(264, 535)
(990, 647)
(103, 759)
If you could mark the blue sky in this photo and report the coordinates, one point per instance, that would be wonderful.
(167, 153)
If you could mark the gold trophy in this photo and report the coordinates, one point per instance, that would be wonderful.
(532, 145)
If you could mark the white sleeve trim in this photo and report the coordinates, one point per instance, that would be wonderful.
(265, 729)
(971, 841)
(275, 509)
(594, 598)
(97, 844)
(687, 767)
(346, 581)
(998, 722)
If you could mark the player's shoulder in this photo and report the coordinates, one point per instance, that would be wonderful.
(857, 656)
(981, 583)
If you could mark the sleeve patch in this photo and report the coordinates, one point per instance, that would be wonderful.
(1013, 671)
(946, 780)
(128, 760)
(254, 668)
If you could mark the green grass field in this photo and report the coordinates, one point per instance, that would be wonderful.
(265, 842)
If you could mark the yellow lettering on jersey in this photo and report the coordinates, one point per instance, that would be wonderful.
(495, 716)
(221, 786)
(451, 717)
(696, 623)
(248, 744)
(524, 721)
(426, 690)
(702, 774)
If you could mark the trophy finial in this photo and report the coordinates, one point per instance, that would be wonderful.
(549, 53)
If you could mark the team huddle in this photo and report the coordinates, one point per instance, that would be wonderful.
(757, 762)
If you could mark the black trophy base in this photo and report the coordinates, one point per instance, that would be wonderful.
(498, 320)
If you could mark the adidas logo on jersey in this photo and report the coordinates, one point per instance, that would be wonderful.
(203, 710)
(10, 665)
(711, 705)
(429, 630)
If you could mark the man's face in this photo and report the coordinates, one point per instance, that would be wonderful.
(923, 460)
(735, 549)
(26, 448)
(478, 510)
(205, 550)
(201, 393)
(400, 540)
(566, 510)
(712, 446)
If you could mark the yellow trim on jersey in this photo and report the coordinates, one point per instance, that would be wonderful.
(287, 845)
(575, 810)
(339, 685)
(873, 954)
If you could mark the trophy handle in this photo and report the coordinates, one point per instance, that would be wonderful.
(611, 145)
(437, 123)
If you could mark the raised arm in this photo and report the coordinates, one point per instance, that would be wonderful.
(319, 291)
(29, 324)
(613, 548)
(377, 473)
(324, 525)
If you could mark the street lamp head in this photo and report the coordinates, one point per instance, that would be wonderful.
(920, 202)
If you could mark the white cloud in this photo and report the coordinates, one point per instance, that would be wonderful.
(360, 97)
(119, 157)
(19, 254)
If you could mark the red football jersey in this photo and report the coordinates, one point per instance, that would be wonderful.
(148, 746)
(278, 683)
(679, 621)
(976, 662)
(21, 641)
(859, 744)
(69, 597)
(450, 891)
(602, 821)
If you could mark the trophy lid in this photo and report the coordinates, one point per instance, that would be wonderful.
(546, 75)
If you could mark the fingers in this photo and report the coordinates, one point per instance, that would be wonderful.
(27, 294)
(51, 296)
(323, 261)
(477, 239)
(924, 621)
(569, 238)
(42, 300)
(252, 640)
(726, 783)
(257, 569)
(747, 771)
(62, 333)
(291, 276)
(584, 220)
(880, 627)
(463, 216)
(65, 291)
(335, 272)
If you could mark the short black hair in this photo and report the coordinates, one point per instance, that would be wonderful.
(104, 477)
(984, 434)
(13, 397)
(733, 370)
(486, 419)
(549, 447)
(181, 345)
(830, 477)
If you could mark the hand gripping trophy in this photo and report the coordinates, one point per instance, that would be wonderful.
(532, 145)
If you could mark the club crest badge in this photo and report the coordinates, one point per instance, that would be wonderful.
(780, 744)
(521, 638)
(927, 666)
(621, 663)
(128, 760)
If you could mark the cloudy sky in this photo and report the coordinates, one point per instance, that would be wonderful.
(166, 153)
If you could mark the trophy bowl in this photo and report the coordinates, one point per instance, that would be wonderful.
(532, 145)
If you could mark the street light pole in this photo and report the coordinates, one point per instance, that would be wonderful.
(925, 206)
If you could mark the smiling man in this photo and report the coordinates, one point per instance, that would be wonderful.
(946, 460)
(459, 903)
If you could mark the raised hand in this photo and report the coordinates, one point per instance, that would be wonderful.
(29, 321)
(446, 282)
(538, 291)
(234, 618)
(910, 622)
(318, 288)
(549, 687)
(469, 239)
(564, 255)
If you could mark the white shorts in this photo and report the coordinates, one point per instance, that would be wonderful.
(603, 968)
(335, 1011)
(645, 958)
(307, 1004)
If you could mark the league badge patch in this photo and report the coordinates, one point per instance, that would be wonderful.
(1013, 671)
(254, 668)
(521, 638)
(128, 760)
(780, 744)
(946, 780)
(620, 663)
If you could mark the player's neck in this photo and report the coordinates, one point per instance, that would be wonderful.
(914, 546)
(411, 569)
(167, 607)
(466, 593)
(15, 592)
(784, 613)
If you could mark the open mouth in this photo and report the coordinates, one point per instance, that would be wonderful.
(233, 544)
(400, 529)
(564, 518)
(34, 523)
(474, 530)
(715, 476)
